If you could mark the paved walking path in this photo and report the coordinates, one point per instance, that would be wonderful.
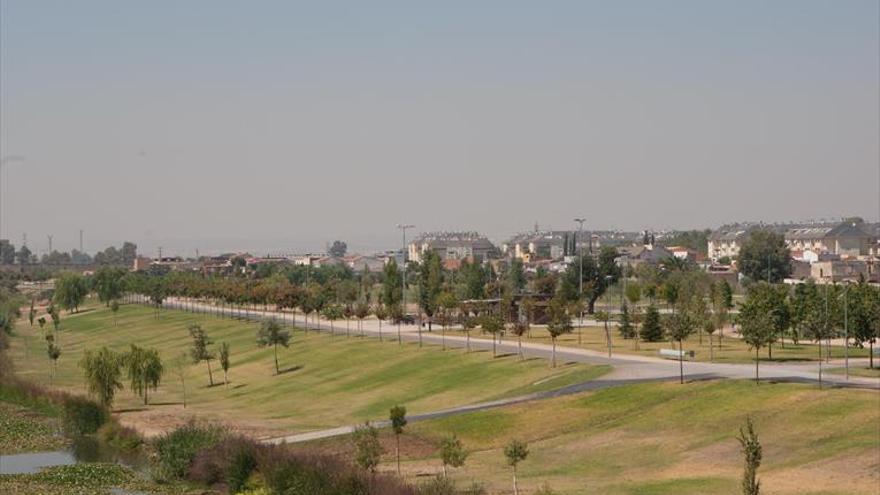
(628, 368)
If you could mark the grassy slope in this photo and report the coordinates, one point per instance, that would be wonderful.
(332, 380)
(733, 350)
(667, 438)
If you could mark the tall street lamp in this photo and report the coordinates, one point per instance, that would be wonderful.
(403, 228)
(580, 248)
(846, 329)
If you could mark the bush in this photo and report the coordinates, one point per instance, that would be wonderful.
(231, 461)
(175, 451)
(439, 485)
(83, 416)
(121, 437)
(242, 462)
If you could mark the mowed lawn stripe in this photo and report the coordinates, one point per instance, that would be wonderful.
(326, 381)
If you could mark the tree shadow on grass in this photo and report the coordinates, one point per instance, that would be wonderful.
(508, 354)
(130, 410)
(290, 369)
(167, 403)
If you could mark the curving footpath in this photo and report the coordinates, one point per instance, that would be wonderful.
(628, 368)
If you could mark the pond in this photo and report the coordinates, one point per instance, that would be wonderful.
(83, 449)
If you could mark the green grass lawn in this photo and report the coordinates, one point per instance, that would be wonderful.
(856, 371)
(730, 350)
(325, 381)
(663, 438)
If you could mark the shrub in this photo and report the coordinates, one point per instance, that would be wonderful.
(175, 451)
(231, 461)
(242, 462)
(439, 485)
(121, 437)
(83, 416)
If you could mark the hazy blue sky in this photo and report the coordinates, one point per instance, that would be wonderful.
(283, 125)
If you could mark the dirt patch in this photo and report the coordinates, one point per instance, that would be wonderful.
(155, 422)
(411, 446)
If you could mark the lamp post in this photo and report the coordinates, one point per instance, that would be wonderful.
(846, 330)
(403, 228)
(580, 222)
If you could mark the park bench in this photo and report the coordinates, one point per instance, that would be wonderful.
(676, 355)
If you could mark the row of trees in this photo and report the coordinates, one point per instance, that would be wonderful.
(123, 256)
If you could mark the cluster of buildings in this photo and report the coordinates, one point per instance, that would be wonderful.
(825, 252)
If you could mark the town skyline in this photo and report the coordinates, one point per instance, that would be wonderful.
(166, 124)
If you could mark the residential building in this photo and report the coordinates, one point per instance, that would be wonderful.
(549, 245)
(451, 245)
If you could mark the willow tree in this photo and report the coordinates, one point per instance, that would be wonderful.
(144, 369)
(102, 369)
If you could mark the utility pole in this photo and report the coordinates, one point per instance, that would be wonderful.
(80, 241)
(160, 254)
(50, 244)
(403, 228)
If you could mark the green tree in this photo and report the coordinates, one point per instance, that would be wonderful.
(361, 311)
(752, 454)
(516, 277)
(381, 313)
(652, 330)
(331, 313)
(447, 302)
(392, 283)
(56, 317)
(108, 283)
(102, 369)
(114, 307)
(598, 274)
(430, 284)
(493, 324)
(764, 256)
(680, 326)
(452, 453)
(70, 290)
(468, 323)
(200, 348)
(271, 334)
(397, 415)
(54, 352)
(338, 249)
(756, 328)
(224, 362)
(626, 328)
(559, 322)
(368, 450)
(144, 369)
(634, 293)
(863, 303)
(515, 452)
(32, 313)
(726, 294)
